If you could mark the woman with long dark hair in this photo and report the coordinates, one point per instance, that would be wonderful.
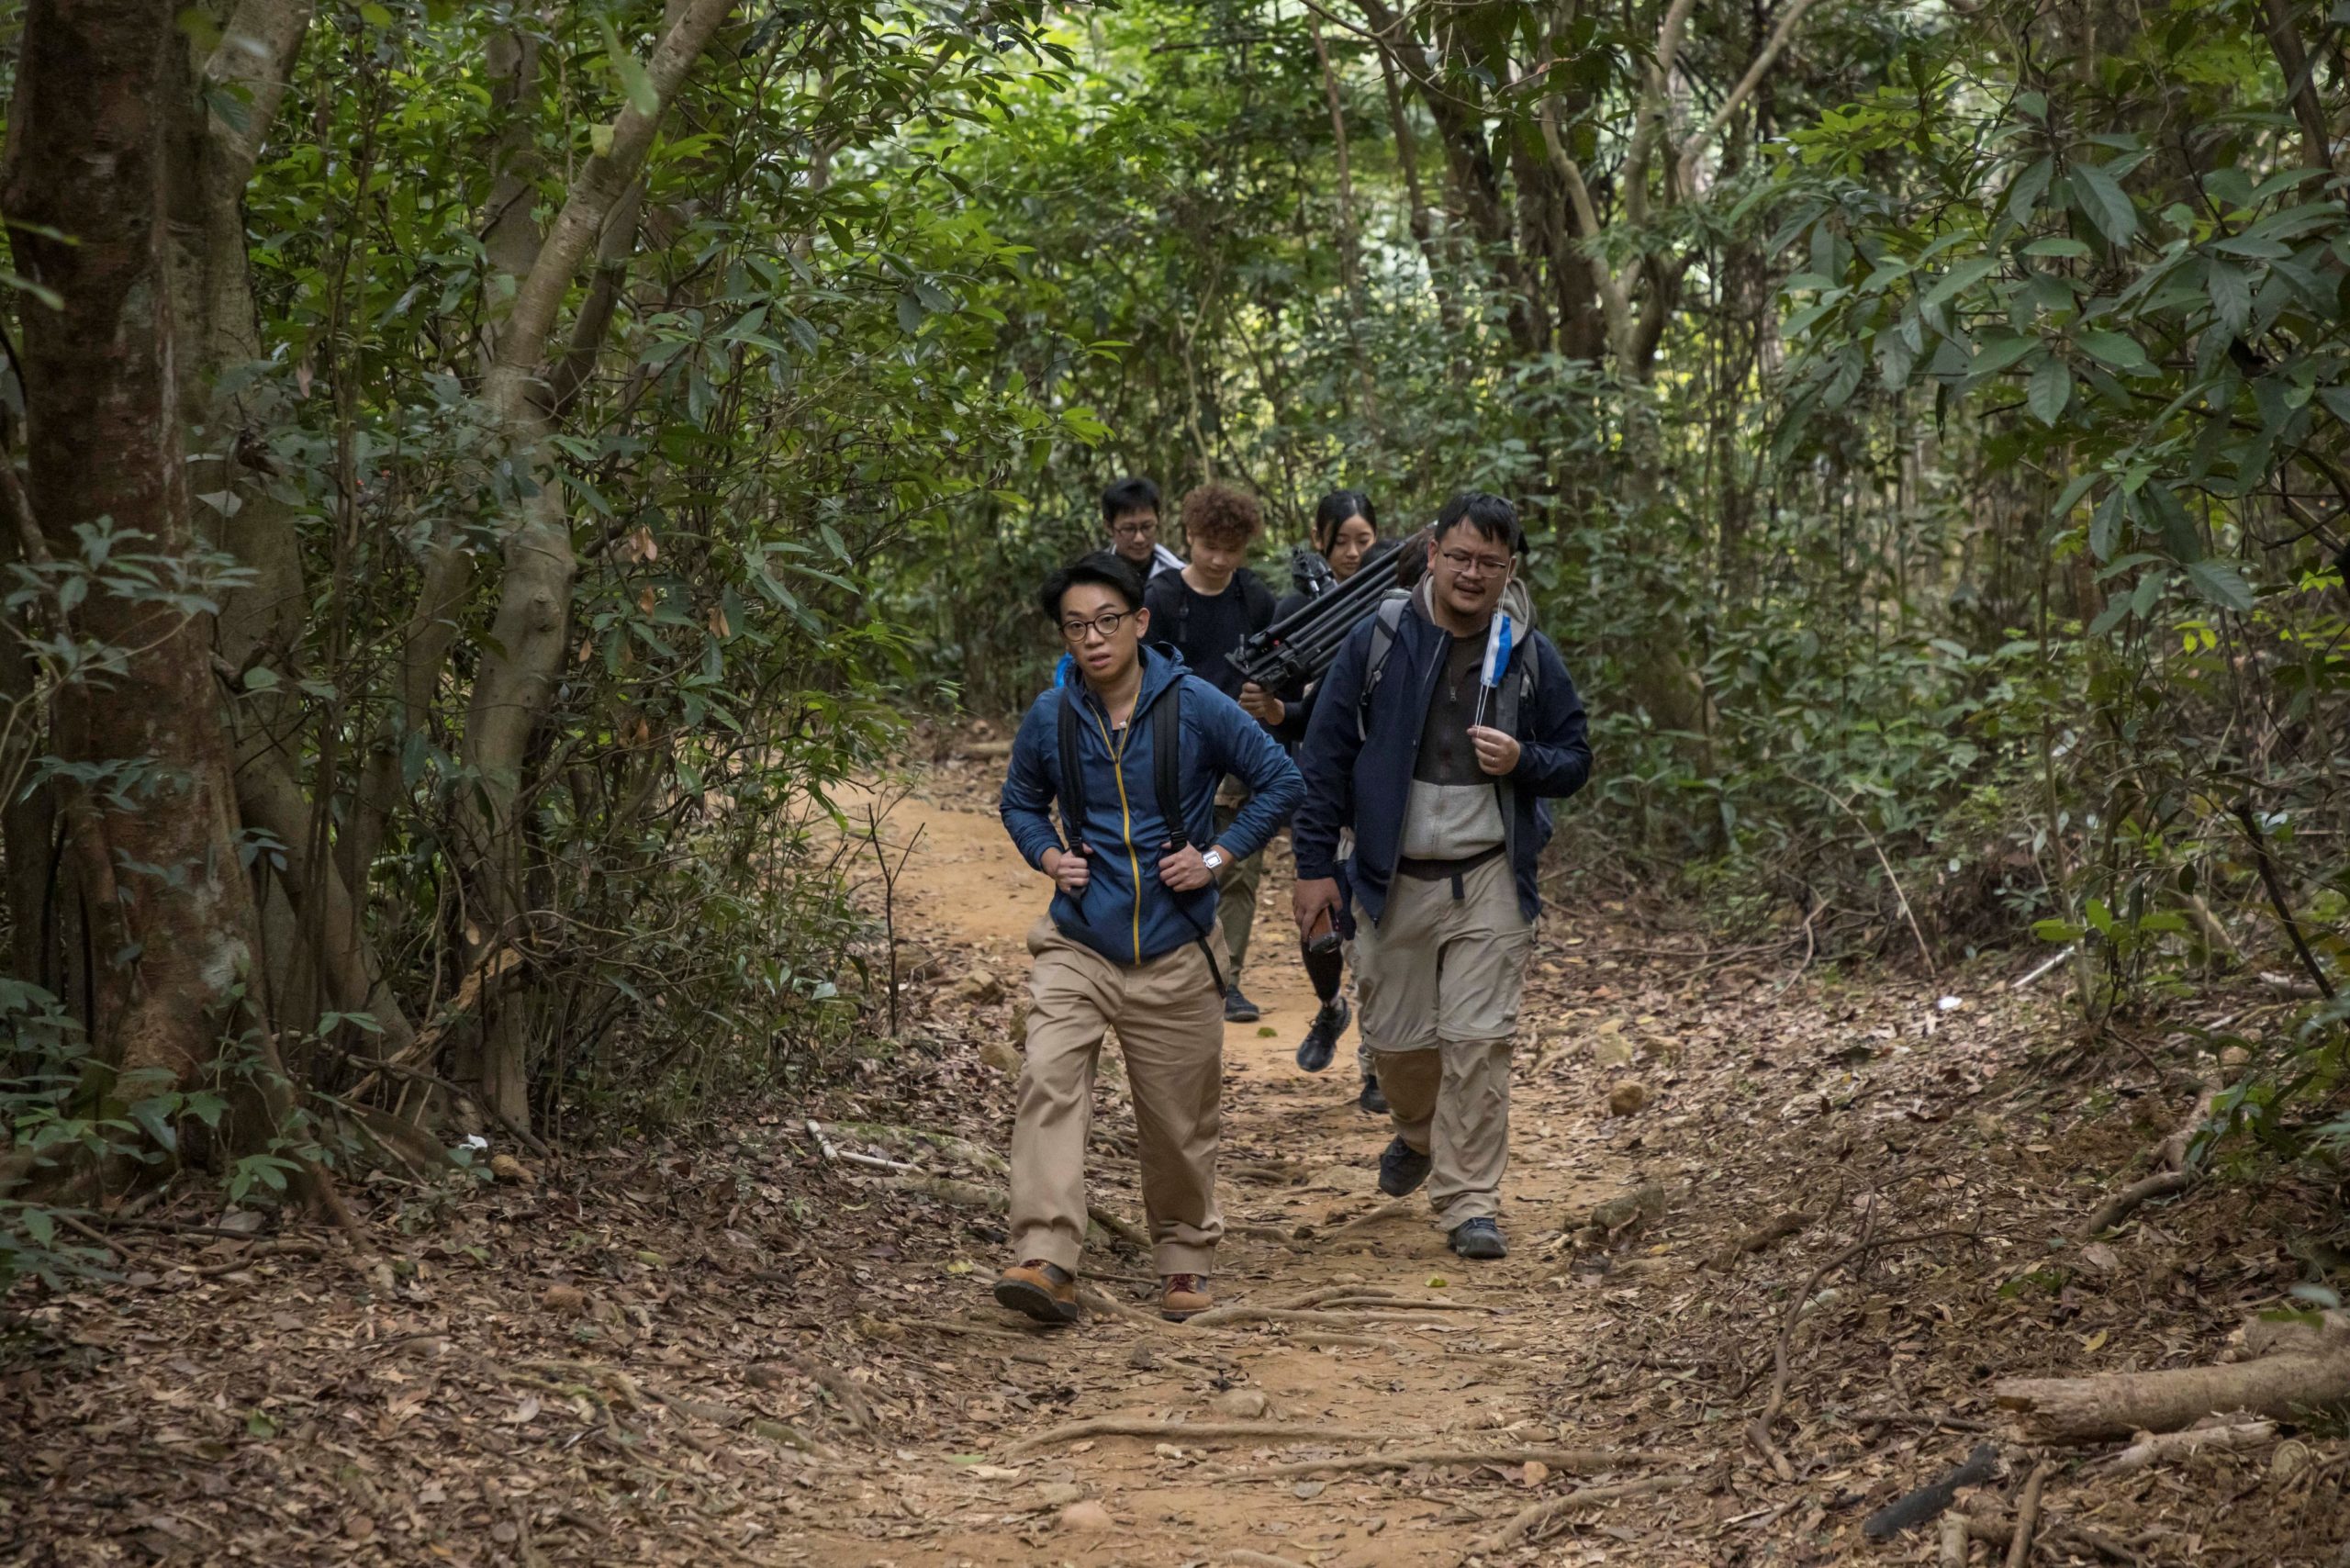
(1346, 531)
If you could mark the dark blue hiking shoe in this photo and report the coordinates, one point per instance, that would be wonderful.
(1478, 1238)
(1372, 1100)
(1321, 1042)
(1238, 1009)
(1402, 1169)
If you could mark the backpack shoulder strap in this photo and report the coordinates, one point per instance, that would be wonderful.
(1382, 641)
(1166, 762)
(1072, 760)
(1518, 692)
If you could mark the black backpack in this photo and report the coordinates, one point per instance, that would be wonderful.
(1166, 783)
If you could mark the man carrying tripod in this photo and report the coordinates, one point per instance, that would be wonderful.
(1437, 733)
(1131, 747)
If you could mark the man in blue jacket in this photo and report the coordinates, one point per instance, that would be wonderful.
(1131, 747)
(1436, 737)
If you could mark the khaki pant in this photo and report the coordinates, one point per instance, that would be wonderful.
(1170, 1020)
(1236, 886)
(1441, 978)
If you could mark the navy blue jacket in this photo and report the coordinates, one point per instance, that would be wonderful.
(1364, 783)
(1126, 913)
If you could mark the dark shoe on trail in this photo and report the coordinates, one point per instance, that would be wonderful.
(1478, 1238)
(1370, 1100)
(1402, 1169)
(1183, 1296)
(1321, 1042)
(1046, 1292)
(1238, 1009)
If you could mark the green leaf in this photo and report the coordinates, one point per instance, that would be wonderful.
(635, 82)
(2030, 187)
(1959, 278)
(2220, 582)
(2049, 391)
(2116, 349)
(374, 16)
(2105, 203)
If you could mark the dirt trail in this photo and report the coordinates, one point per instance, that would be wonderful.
(1297, 1152)
(716, 1343)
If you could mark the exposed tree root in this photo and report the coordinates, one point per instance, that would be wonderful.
(1225, 1317)
(2125, 1202)
(1384, 1211)
(1244, 1558)
(1195, 1432)
(847, 1398)
(2117, 1405)
(1777, 1229)
(1526, 1521)
(971, 1195)
(2172, 1173)
(1576, 1460)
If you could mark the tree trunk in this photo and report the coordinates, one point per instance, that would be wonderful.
(530, 632)
(98, 135)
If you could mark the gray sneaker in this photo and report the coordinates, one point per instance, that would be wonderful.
(1478, 1238)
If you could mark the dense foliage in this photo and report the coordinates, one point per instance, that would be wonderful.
(1930, 420)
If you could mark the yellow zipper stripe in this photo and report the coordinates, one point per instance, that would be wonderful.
(1125, 815)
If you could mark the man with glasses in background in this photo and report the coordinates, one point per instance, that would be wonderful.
(1131, 748)
(1436, 737)
(1130, 511)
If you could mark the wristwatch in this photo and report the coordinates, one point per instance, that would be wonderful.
(1214, 858)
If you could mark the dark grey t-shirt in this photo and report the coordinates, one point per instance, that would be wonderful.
(1454, 809)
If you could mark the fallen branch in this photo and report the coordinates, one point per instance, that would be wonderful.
(1194, 1432)
(1526, 1521)
(1953, 1543)
(2119, 1404)
(1244, 1558)
(1111, 1306)
(2028, 1516)
(2153, 1448)
(1927, 1502)
(1561, 1459)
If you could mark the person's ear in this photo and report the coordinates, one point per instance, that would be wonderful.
(1142, 623)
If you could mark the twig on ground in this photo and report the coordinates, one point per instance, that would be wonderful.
(2028, 1516)
(1953, 1542)
(1244, 1558)
(2172, 1174)
(2152, 1448)
(1777, 1229)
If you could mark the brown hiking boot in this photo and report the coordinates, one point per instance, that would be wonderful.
(1182, 1296)
(1046, 1292)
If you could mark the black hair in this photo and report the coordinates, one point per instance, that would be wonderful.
(1102, 569)
(1414, 564)
(1491, 516)
(1330, 514)
(1129, 495)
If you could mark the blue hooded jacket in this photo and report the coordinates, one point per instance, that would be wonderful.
(1126, 913)
(1366, 783)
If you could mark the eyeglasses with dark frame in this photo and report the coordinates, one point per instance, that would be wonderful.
(1469, 565)
(1106, 624)
(1133, 529)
